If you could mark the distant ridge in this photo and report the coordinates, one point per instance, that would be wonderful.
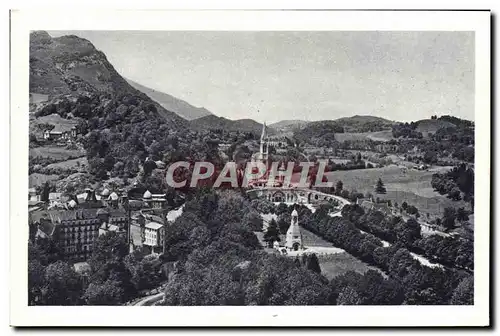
(171, 103)
(214, 122)
(288, 124)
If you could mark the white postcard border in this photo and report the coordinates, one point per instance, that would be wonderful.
(25, 20)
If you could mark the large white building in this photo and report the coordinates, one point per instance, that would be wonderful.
(153, 236)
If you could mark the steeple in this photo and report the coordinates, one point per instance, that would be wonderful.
(264, 132)
(264, 149)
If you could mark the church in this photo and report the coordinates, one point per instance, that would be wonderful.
(263, 156)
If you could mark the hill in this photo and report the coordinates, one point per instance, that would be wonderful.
(69, 67)
(319, 133)
(171, 103)
(288, 125)
(363, 123)
(427, 126)
(326, 132)
(214, 122)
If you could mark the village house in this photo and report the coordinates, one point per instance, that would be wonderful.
(33, 195)
(55, 199)
(373, 206)
(153, 236)
(57, 133)
(387, 148)
(224, 146)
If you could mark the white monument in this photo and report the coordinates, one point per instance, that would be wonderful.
(293, 235)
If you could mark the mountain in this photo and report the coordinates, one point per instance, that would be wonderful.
(171, 103)
(73, 84)
(69, 67)
(214, 122)
(288, 125)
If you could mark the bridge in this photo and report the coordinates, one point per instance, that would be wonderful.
(296, 195)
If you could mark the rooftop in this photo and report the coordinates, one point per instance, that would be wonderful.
(154, 225)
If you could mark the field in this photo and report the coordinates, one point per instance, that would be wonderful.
(79, 163)
(414, 187)
(337, 264)
(56, 152)
(310, 239)
(62, 124)
(375, 136)
(39, 179)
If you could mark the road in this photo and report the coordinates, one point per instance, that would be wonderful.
(150, 300)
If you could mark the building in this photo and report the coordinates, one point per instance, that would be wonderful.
(32, 195)
(387, 148)
(277, 141)
(57, 133)
(76, 230)
(153, 236)
(373, 206)
(55, 199)
(224, 146)
(293, 235)
(155, 201)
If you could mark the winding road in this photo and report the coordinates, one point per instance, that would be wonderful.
(150, 300)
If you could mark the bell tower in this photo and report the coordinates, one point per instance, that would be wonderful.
(293, 235)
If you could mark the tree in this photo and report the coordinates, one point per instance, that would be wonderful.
(348, 297)
(36, 280)
(253, 221)
(380, 188)
(454, 194)
(408, 232)
(62, 286)
(272, 233)
(312, 263)
(339, 187)
(108, 293)
(146, 274)
(462, 215)
(45, 192)
(281, 208)
(358, 157)
(449, 216)
(108, 247)
(148, 167)
(430, 157)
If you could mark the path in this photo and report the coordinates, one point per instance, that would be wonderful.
(423, 260)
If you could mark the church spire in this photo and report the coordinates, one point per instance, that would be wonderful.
(264, 131)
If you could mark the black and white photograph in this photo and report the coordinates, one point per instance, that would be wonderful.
(254, 167)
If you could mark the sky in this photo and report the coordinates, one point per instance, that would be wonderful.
(273, 76)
